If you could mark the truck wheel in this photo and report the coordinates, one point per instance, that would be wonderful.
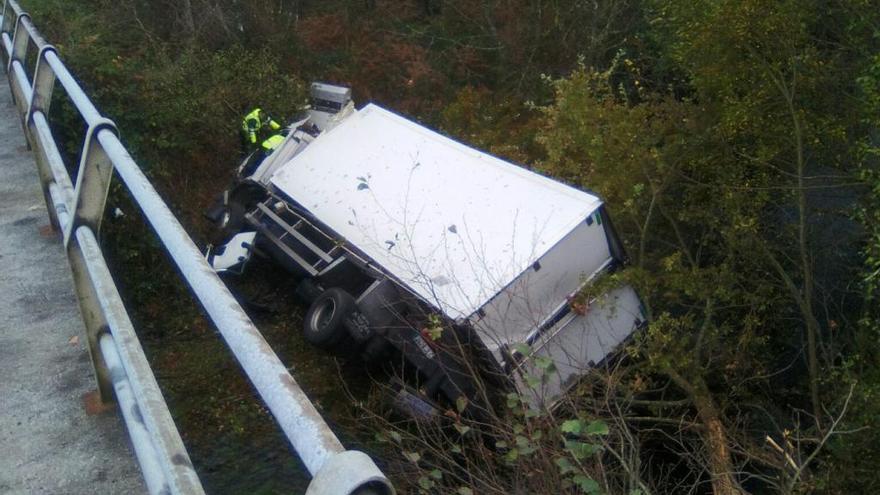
(232, 220)
(324, 322)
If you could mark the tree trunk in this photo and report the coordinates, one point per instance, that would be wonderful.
(812, 325)
(720, 465)
(805, 297)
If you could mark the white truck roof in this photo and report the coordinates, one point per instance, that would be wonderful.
(454, 224)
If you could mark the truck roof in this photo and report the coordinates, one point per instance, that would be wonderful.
(455, 224)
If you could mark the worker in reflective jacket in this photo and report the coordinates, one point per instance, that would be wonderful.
(266, 146)
(258, 127)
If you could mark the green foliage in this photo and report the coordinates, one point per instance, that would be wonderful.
(532, 452)
(206, 94)
(496, 123)
(578, 427)
(657, 165)
(521, 448)
(869, 149)
(697, 185)
(852, 459)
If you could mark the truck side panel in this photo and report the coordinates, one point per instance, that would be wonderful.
(537, 293)
(580, 342)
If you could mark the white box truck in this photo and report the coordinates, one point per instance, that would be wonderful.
(409, 244)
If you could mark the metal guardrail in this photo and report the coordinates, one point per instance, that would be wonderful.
(120, 366)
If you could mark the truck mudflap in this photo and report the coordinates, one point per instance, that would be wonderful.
(579, 342)
(232, 256)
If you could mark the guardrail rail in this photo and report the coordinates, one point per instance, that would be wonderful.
(121, 369)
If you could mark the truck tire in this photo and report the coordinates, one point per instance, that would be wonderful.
(324, 324)
(230, 219)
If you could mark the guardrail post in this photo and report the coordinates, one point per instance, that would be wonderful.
(19, 40)
(93, 319)
(19, 47)
(92, 181)
(41, 98)
(4, 26)
(44, 83)
(90, 196)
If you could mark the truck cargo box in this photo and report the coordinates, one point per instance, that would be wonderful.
(456, 225)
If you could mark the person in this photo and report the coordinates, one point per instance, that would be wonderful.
(257, 128)
(261, 136)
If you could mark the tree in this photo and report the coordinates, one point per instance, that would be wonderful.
(767, 74)
(684, 268)
(718, 196)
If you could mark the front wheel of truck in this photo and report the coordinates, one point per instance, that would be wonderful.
(228, 213)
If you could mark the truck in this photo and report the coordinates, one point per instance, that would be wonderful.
(411, 247)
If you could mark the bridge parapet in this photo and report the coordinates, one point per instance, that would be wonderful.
(121, 368)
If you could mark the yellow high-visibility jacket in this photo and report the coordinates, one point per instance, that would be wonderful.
(258, 124)
(272, 142)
